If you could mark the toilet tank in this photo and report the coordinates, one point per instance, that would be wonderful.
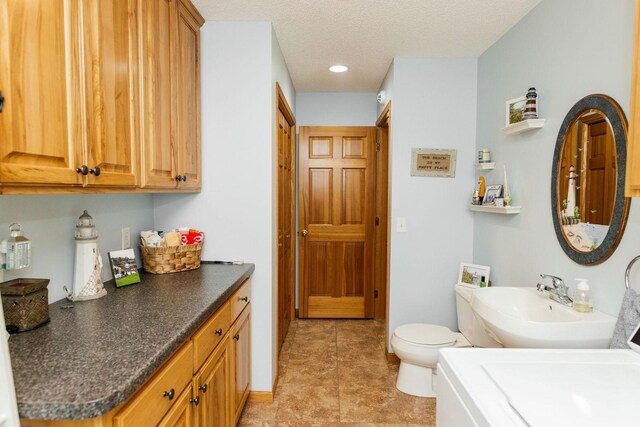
(470, 327)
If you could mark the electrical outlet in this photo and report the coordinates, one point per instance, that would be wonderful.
(126, 238)
(401, 225)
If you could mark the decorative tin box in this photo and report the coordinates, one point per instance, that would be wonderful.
(25, 303)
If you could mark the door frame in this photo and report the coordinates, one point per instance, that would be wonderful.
(283, 106)
(382, 247)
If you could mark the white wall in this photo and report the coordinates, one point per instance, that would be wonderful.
(434, 106)
(49, 221)
(236, 205)
(567, 49)
(336, 109)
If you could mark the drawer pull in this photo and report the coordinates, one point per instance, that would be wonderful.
(203, 388)
(245, 299)
(195, 401)
(236, 337)
(218, 332)
(169, 394)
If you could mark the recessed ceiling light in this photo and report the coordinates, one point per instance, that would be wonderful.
(338, 68)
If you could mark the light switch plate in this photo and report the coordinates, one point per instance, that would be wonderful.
(401, 225)
(126, 238)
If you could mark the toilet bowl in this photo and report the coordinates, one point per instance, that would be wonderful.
(418, 348)
(418, 345)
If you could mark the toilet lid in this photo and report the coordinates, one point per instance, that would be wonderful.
(420, 333)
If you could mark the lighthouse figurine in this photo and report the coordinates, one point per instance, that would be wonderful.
(87, 283)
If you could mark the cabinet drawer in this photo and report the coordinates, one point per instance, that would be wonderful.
(210, 334)
(153, 400)
(240, 299)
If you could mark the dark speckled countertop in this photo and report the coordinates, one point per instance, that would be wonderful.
(92, 357)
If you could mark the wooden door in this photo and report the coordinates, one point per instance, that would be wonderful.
(285, 209)
(601, 171)
(182, 412)
(158, 66)
(40, 125)
(111, 82)
(241, 343)
(337, 196)
(188, 147)
(212, 385)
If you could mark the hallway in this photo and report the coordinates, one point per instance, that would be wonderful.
(333, 373)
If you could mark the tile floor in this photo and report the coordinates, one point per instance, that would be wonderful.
(334, 373)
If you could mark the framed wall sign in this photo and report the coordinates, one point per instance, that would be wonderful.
(433, 162)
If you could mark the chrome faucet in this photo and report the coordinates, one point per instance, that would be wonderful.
(557, 289)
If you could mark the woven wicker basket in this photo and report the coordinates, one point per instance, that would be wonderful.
(170, 259)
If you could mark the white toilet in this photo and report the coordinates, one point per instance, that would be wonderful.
(418, 345)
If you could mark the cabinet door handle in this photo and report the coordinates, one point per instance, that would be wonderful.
(95, 171)
(195, 401)
(169, 394)
(245, 299)
(84, 170)
(184, 178)
(203, 388)
(236, 337)
(1, 102)
(218, 332)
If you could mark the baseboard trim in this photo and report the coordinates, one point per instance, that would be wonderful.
(264, 396)
(261, 396)
(391, 357)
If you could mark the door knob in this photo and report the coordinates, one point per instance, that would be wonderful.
(95, 171)
(1, 102)
(304, 233)
(84, 170)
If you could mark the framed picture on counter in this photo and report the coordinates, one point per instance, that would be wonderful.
(124, 267)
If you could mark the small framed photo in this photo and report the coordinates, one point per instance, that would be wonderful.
(472, 274)
(493, 191)
(499, 202)
(124, 267)
(515, 110)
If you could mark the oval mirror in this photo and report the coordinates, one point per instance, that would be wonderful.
(587, 184)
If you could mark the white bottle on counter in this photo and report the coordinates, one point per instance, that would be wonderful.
(582, 301)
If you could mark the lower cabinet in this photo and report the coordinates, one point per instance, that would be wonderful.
(213, 385)
(182, 412)
(241, 345)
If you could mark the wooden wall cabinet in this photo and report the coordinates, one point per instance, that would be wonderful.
(69, 116)
(99, 96)
(632, 179)
(170, 32)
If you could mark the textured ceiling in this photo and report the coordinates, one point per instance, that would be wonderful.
(366, 35)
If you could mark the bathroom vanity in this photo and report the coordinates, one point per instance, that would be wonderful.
(537, 387)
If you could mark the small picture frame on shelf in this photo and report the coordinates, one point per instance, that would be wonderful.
(499, 202)
(124, 267)
(515, 110)
(490, 195)
(472, 274)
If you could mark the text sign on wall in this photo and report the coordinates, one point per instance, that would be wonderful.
(433, 162)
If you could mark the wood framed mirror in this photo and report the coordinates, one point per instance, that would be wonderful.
(588, 205)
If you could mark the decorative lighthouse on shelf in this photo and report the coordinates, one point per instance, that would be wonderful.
(87, 283)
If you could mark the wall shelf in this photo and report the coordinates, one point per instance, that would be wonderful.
(506, 210)
(480, 166)
(524, 126)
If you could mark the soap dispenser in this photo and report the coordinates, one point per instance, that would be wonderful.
(582, 301)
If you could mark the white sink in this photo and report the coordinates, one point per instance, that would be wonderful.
(527, 318)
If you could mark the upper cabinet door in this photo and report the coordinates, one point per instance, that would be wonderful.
(110, 70)
(189, 23)
(40, 129)
(158, 68)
